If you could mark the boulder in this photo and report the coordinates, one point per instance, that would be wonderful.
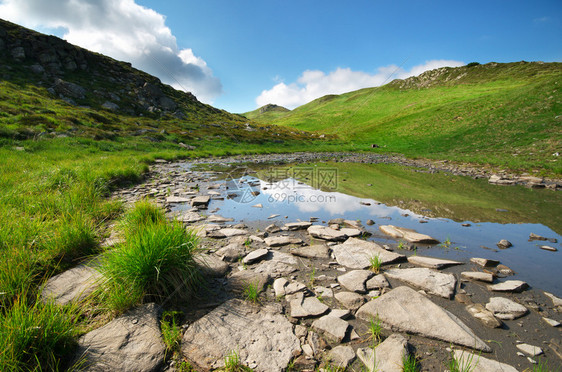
(506, 309)
(355, 280)
(131, 342)
(72, 285)
(387, 356)
(503, 244)
(431, 281)
(405, 310)
(477, 363)
(409, 235)
(356, 253)
(262, 337)
(430, 262)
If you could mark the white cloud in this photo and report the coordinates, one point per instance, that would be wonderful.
(314, 84)
(123, 30)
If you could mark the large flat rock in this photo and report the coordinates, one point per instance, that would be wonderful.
(227, 232)
(430, 262)
(132, 342)
(405, 310)
(326, 233)
(261, 336)
(307, 307)
(387, 356)
(279, 241)
(356, 253)
(407, 234)
(477, 363)
(293, 226)
(72, 285)
(211, 264)
(333, 328)
(313, 251)
(509, 286)
(431, 281)
(355, 280)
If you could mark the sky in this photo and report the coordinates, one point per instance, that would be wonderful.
(239, 55)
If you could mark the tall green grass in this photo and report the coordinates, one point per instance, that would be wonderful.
(155, 261)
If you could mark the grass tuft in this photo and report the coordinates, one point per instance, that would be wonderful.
(252, 292)
(171, 331)
(410, 364)
(375, 263)
(462, 364)
(232, 363)
(375, 330)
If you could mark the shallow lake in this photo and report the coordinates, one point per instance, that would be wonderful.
(404, 196)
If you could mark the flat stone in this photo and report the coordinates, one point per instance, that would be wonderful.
(293, 226)
(506, 309)
(294, 287)
(326, 233)
(131, 342)
(377, 282)
(388, 356)
(341, 356)
(177, 199)
(350, 300)
(312, 251)
(218, 219)
(189, 217)
(430, 262)
(468, 361)
(307, 307)
(431, 281)
(556, 301)
(405, 310)
(410, 235)
(484, 262)
(484, 315)
(477, 275)
(340, 313)
(551, 322)
(323, 291)
(200, 200)
(356, 253)
(232, 252)
(509, 286)
(261, 336)
(255, 256)
(334, 328)
(274, 269)
(279, 285)
(355, 280)
(228, 232)
(211, 264)
(351, 232)
(73, 285)
(241, 279)
(279, 241)
(548, 248)
(530, 349)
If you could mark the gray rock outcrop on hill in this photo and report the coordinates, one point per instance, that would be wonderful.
(405, 310)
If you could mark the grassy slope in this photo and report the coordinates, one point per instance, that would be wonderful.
(501, 114)
(266, 113)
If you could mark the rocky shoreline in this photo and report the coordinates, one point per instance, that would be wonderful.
(322, 295)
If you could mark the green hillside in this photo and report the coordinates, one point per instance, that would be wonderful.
(266, 113)
(500, 114)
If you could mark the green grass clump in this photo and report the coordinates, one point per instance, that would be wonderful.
(410, 364)
(156, 260)
(142, 215)
(36, 336)
(463, 364)
(252, 292)
(171, 331)
(375, 263)
(232, 363)
(375, 330)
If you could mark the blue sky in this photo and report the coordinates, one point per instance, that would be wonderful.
(238, 55)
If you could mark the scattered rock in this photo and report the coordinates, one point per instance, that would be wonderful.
(478, 363)
(214, 218)
(548, 248)
(211, 265)
(432, 263)
(312, 251)
(255, 256)
(504, 270)
(557, 302)
(333, 328)
(477, 275)
(241, 279)
(279, 285)
(232, 252)
(355, 280)
(509, 286)
(431, 281)
(340, 313)
(377, 282)
(408, 234)
(341, 356)
(134, 336)
(356, 253)
(177, 199)
(530, 349)
(326, 233)
(551, 322)
(388, 356)
(72, 285)
(261, 336)
(484, 262)
(200, 200)
(481, 313)
(506, 309)
(538, 237)
(504, 244)
(307, 307)
(279, 241)
(228, 232)
(190, 217)
(350, 300)
(405, 310)
(293, 226)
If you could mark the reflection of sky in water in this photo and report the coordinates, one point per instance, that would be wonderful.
(295, 200)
